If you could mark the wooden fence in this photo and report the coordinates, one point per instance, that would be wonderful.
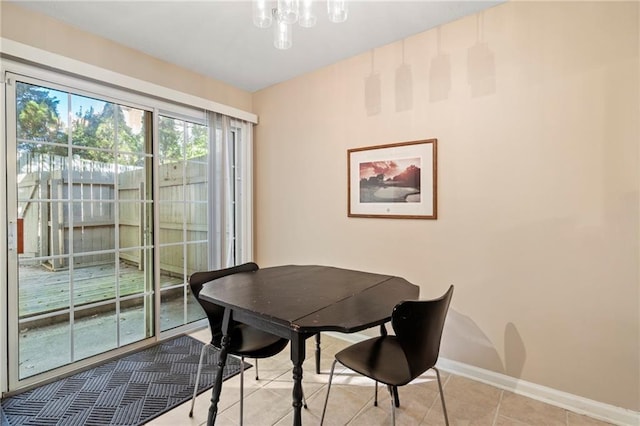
(52, 224)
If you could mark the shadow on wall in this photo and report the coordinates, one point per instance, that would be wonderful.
(372, 90)
(463, 341)
(515, 354)
(481, 67)
(439, 73)
(404, 85)
(481, 75)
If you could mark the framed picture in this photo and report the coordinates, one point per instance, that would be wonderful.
(394, 181)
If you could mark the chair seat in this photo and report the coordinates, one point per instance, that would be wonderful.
(381, 358)
(252, 343)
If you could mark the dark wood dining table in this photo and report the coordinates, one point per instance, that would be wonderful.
(299, 301)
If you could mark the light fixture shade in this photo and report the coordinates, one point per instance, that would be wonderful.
(261, 14)
(282, 35)
(285, 13)
(288, 11)
(306, 17)
(337, 10)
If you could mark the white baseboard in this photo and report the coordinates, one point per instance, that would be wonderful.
(574, 403)
(568, 401)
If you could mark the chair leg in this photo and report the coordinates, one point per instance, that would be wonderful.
(241, 388)
(324, 409)
(195, 389)
(396, 396)
(318, 353)
(444, 407)
(375, 395)
(393, 405)
(256, 360)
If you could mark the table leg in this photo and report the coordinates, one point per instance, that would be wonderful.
(318, 353)
(222, 360)
(297, 358)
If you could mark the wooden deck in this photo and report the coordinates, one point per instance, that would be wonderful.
(43, 291)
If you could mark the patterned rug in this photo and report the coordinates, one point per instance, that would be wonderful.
(128, 391)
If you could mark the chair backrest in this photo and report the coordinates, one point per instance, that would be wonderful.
(215, 312)
(418, 326)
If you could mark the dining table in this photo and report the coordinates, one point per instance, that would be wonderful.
(297, 302)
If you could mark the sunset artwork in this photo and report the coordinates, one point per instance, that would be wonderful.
(395, 180)
(390, 181)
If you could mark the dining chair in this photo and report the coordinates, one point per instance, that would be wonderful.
(397, 360)
(245, 341)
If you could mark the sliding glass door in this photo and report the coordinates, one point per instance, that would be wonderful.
(113, 200)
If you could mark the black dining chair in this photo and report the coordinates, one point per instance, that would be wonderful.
(398, 360)
(245, 341)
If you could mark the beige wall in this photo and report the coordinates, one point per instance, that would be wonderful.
(538, 185)
(37, 30)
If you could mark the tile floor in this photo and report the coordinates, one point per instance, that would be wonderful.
(268, 400)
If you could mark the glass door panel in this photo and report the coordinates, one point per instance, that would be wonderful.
(95, 330)
(182, 205)
(84, 272)
(44, 327)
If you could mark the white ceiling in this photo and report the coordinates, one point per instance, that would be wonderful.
(218, 39)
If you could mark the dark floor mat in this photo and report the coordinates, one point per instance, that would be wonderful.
(128, 391)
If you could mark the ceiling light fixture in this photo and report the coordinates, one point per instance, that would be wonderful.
(285, 13)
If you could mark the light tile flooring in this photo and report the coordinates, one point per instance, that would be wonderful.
(268, 400)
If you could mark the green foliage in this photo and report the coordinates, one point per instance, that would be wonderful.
(178, 138)
(27, 92)
(38, 119)
(98, 132)
(198, 145)
(170, 137)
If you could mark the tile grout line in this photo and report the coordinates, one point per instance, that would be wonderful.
(497, 415)
(436, 399)
(360, 411)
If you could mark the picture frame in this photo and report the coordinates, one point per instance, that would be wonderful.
(396, 181)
